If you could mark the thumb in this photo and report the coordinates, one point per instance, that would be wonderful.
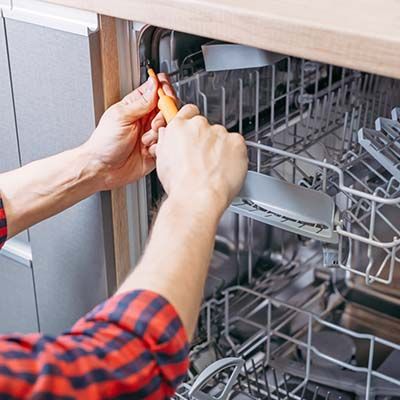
(142, 100)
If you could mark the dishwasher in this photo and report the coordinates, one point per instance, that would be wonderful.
(302, 300)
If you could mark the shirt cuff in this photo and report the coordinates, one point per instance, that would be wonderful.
(3, 225)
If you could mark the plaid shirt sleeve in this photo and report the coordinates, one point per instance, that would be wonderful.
(3, 225)
(132, 346)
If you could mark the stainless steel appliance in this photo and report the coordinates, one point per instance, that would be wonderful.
(302, 300)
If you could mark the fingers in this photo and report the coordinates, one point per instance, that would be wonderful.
(151, 135)
(149, 163)
(188, 111)
(158, 122)
(142, 100)
(167, 86)
(145, 90)
(153, 150)
(151, 138)
(161, 134)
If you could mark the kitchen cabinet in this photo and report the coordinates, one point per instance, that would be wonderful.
(9, 158)
(280, 296)
(17, 302)
(17, 297)
(361, 35)
(51, 101)
(56, 113)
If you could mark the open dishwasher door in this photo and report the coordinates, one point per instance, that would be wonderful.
(301, 299)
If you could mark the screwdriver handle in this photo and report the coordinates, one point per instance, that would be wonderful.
(166, 104)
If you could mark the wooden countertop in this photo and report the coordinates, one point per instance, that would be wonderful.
(360, 34)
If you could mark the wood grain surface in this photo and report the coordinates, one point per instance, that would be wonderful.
(111, 92)
(358, 34)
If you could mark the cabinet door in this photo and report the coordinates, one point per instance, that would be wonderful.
(9, 151)
(56, 95)
(17, 300)
(17, 297)
(9, 158)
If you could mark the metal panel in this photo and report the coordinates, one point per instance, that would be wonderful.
(9, 157)
(9, 146)
(56, 110)
(18, 251)
(17, 299)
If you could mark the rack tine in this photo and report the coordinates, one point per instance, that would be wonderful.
(266, 383)
(247, 378)
(328, 395)
(315, 393)
(286, 386)
(276, 383)
(303, 392)
(240, 384)
(253, 364)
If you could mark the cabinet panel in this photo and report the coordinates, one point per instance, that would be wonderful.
(9, 157)
(52, 80)
(9, 146)
(17, 299)
(52, 73)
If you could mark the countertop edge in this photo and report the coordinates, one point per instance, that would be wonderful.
(337, 42)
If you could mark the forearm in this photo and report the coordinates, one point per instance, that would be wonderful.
(176, 260)
(43, 188)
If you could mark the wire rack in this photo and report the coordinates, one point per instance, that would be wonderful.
(267, 365)
(301, 121)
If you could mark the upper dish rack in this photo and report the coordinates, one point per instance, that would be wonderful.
(330, 181)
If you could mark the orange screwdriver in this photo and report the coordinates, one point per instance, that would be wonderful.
(166, 104)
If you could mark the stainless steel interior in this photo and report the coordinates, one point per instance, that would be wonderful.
(297, 307)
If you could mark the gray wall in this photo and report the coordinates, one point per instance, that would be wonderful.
(57, 99)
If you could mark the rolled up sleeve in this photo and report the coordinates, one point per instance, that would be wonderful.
(132, 346)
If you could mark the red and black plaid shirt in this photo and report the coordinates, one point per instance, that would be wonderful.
(132, 346)
(3, 225)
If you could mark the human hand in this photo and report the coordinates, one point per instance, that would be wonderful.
(116, 144)
(198, 162)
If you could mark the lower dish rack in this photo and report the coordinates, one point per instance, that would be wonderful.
(289, 353)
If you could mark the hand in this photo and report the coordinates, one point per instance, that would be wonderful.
(199, 162)
(116, 144)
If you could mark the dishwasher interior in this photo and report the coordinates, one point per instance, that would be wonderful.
(303, 296)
